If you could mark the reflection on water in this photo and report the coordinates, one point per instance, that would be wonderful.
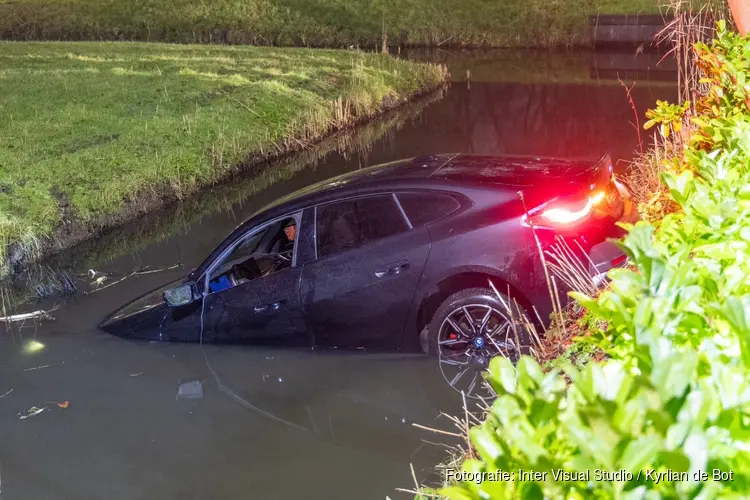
(563, 67)
(339, 424)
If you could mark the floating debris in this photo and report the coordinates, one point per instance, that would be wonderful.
(31, 412)
(40, 315)
(190, 390)
(98, 283)
(37, 368)
(3, 395)
(36, 410)
(136, 374)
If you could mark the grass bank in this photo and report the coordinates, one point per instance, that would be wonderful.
(92, 131)
(329, 23)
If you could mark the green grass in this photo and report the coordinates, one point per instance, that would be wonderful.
(87, 129)
(314, 22)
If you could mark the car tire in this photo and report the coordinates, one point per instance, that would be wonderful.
(464, 347)
(485, 297)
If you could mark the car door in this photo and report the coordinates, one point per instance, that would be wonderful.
(266, 308)
(358, 291)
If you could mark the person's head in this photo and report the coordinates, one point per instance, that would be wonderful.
(290, 231)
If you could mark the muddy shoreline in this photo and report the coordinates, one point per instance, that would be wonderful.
(74, 233)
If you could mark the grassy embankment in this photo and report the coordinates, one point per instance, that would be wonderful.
(329, 23)
(95, 132)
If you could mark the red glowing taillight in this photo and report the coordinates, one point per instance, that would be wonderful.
(566, 212)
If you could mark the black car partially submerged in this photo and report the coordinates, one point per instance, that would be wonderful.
(396, 256)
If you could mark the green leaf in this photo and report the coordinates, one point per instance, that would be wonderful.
(696, 448)
(665, 130)
(629, 417)
(736, 311)
(584, 300)
(640, 452)
(530, 491)
(673, 369)
(486, 443)
(610, 379)
(593, 443)
(529, 370)
(680, 186)
(502, 375)
(675, 460)
(456, 493)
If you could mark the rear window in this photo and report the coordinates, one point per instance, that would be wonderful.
(353, 223)
(423, 208)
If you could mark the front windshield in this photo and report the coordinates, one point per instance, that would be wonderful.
(247, 246)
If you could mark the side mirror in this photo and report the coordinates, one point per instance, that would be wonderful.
(182, 295)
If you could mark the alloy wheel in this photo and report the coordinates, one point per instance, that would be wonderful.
(469, 337)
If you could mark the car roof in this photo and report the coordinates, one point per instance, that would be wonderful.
(448, 170)
(516, 170)
(411, 170)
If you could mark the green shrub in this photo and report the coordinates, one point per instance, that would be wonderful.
(673, 400)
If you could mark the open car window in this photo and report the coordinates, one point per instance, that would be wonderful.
(262, 252)
(245, 248)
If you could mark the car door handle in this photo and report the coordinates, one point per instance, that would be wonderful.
(392, 269)
(275, 306)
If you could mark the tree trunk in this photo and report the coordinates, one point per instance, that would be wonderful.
(741, 14)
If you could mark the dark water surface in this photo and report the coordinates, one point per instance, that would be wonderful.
(276, 424)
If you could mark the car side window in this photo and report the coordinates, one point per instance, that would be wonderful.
(260, 253)
(423, 208)
(352, 223)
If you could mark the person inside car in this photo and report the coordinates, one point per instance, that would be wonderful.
(283, 248)
(274, 251)
(290, 231)
(284, 243)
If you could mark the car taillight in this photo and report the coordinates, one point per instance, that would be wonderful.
(570, 213)
(565, 212)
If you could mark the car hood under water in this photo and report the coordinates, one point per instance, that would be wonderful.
(141, 318)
